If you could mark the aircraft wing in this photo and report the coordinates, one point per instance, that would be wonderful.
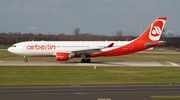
(87, 51)
(91, 50)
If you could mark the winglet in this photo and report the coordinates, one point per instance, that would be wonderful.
(110, 45)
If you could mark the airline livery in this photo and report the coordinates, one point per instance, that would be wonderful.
(64, 50)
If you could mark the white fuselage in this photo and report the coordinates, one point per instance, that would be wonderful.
(37, 48)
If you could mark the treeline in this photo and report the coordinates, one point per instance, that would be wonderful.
(172, 43)
(9, 39)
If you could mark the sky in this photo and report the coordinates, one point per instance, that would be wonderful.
(100, 17)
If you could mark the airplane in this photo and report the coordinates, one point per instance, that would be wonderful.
(65, 50)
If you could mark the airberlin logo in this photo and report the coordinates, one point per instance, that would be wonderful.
(40, 47)
(156, 29)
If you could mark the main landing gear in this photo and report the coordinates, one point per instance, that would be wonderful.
(25, 59)
(84, 60)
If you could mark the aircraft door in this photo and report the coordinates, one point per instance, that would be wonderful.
(131, 46)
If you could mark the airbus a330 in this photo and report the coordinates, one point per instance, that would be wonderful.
(64, 50)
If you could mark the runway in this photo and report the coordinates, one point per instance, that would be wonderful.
(89, 92)
(72, 63)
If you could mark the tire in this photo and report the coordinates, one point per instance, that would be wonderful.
(25, 60)
(88, 60)
(83, 61)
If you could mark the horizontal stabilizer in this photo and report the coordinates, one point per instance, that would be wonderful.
(153, 44)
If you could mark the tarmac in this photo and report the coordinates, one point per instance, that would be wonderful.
(106, 63)
(91, 92)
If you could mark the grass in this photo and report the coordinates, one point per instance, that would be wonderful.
(5, 55)
(59, 75)
(4, 46)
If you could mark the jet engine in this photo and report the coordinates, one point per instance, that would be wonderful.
(60, 56)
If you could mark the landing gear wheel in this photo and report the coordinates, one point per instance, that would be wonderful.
(25, 60)
(83, 61)
(88, 60)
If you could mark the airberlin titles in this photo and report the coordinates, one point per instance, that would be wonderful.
(40, 47)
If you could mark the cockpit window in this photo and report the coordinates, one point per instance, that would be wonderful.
(13, 45)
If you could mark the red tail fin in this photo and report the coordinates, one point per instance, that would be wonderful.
(153, 33)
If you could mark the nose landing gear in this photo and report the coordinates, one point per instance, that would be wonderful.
(25, 59)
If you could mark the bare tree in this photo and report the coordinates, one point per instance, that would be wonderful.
(76, 31)
(163, 34)
(61, 34)
(164, 31)
(119, 33)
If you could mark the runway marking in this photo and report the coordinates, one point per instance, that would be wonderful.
(165, 96)
(174, 64)
(1, 61)
(121, 63)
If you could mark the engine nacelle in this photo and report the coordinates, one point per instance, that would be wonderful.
(60, 56)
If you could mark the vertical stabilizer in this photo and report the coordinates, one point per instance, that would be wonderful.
(154, 31)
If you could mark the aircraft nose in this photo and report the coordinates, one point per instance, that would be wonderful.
(14, 50)
(9, 49)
